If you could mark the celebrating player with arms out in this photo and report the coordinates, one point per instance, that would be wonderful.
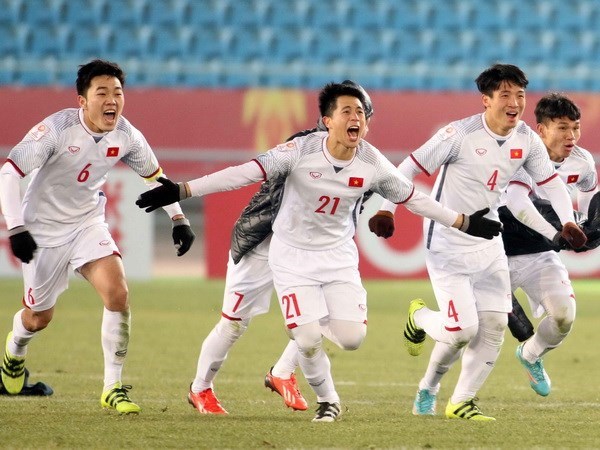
(535, 267)
(62, 222)
(476, 156)
(312, 253)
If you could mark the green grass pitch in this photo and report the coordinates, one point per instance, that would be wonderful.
(377, 383)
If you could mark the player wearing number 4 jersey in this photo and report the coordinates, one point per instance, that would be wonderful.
(62, 225)
(476, 156)
(312, 253)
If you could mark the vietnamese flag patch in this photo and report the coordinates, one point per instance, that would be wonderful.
(572, 179)
(112, 152)
(356, 182)
(516, 153)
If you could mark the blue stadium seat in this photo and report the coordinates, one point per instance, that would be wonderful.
(13, 40)
(375, 44)
(48, 40)
(452, 46)
(251, 43)
(288, 14)
(170, 42)
(208, 13)
(210, 43)
(36, 71)
(165, 73)
(42, 12)
(130, 42)
(331, 44)
(203, 75)
(171, 13)
(573, 47)
(452, 15)
(248, 13)
(84, 13)
(492, 15)
(329, 13)
(534, 46)
(415, 45)
(371, 15)
(89, 42)
(495, 46)
(8, 74)
(409, 15)
(125, 13)
(10, 12)
(534, 16)
(576, 16)
(293, 43)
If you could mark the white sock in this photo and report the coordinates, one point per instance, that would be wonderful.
(287, 362)
(116, 326)
(214, 351)
(441, 359)
(21, 336)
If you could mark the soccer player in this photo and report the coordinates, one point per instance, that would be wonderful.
(534, 265)
(248, 291)
(477, 156)
(312, 255)
(62, 224)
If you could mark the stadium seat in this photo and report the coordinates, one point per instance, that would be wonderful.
(130, 42)
(89, 42)
(292, 43)
(10, 12)
(534, 46)
(250, 43)
(210, 43)
(42, 12)
(415, 45)
(573, 47)
(248, 13)
(576, 16)
(208, 13)
(36, 71)
(492, 15)
(451, 15)
(84, 13)
(409, 15)
(13, 40)
(168, 42)
(332, 44)
(324, 14)
(125, 13)
(375, 44)
(48, 40)
(282, 15)
(206, 74)
(371, 15)
(171, 13)
(8, 74)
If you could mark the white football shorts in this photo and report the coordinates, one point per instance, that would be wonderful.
(542, 276)
(465, 283)
(47, 275)
(312, 285)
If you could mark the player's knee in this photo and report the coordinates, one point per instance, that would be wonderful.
(492, 326)
(232, 330)
(351, 336)
(36, 320)
(460, 338)
(308, 338)
(564, 316)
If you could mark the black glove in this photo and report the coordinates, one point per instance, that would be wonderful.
(477, 225)
(183, 236)
(518, 323)
(163, 195)
(22, 244)
(382, 224)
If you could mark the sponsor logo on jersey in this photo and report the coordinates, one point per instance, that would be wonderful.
(516, 153)
(448, 132)
(73, 149)
(104, 242)
(316, 175)
(39, 131)
(480, 151)
(572, 179)
(356, 182)
(111, 152)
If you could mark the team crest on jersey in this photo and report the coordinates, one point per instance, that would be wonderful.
(448, 132)
(111, 152)
(73, 149)
(39, 131)
(572, 179)
(315, 175)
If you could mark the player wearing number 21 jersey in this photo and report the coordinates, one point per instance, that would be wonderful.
(312, 255)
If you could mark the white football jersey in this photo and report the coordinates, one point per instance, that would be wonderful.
(321, 197)
(578, 172)
(69, 164)
(475, 168)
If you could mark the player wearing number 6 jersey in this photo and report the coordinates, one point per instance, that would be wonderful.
(61, 223)
(312, 255)
(476, 158)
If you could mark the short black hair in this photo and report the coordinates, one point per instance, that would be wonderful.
(330, 93)
(368, 104)
(491, 78)
(555, 106)
(94, 68)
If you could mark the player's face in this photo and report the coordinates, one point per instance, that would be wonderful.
(103, 103)
(560, 136)
(504, 108)
(347, 125)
